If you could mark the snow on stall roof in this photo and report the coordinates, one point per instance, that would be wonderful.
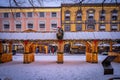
(67, 36)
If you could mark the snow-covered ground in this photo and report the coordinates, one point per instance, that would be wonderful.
(45, 68)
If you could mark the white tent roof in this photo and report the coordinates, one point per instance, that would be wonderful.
(67, 36)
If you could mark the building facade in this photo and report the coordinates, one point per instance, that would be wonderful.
(91, 21)
(27, 18)
(90, 17)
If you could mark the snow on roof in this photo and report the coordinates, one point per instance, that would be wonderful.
(67, 36)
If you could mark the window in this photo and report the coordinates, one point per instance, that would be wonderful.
(54, 14)
(67, 15)
(6, 25)
(29, 14)
(114, 27)
(90, 27)
(42, 24)
(114, 15)
(17, 14)
(90, 14)
(53, 24)
(102, 27)
(79, 16)
(67, 27)
(30, 24)
(18, 24)
(78, 27)
(6, 15)
(102, 15)
(41, 14)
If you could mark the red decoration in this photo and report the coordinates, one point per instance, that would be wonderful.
(25, 42)
(60, 41)
(95, 41)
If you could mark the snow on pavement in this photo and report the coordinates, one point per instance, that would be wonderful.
(46, 68)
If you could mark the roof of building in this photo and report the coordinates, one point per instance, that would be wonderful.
(67, 36)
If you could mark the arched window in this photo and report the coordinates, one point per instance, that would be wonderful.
(114, 14)
(79, 15)
(90, 14)
(102, 15)
(67, 15)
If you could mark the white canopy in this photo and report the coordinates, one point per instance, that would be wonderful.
(67, 36)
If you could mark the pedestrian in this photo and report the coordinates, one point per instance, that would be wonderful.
(37, 50)
(52, 49)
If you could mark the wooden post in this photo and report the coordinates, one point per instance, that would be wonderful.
(1, 47)
(95, 51)
(60, 51)
(10, 47)
(88, 57)
(110, 46)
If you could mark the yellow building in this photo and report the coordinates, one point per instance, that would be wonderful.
(90, 17)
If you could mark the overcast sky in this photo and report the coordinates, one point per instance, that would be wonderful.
(49, 3)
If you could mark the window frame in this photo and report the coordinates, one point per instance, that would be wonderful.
(67, 15)
(28, 14)
(53, 16)
(8, 15)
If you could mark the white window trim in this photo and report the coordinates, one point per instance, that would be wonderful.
(44, 15)
(114, 27)
(20, 15)
(27, 15)
(15, 22)
(8, 14)
(4, 23)
(102, 26)
(39, 26)
(56, 15)
(53, 21)
(29, 21)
